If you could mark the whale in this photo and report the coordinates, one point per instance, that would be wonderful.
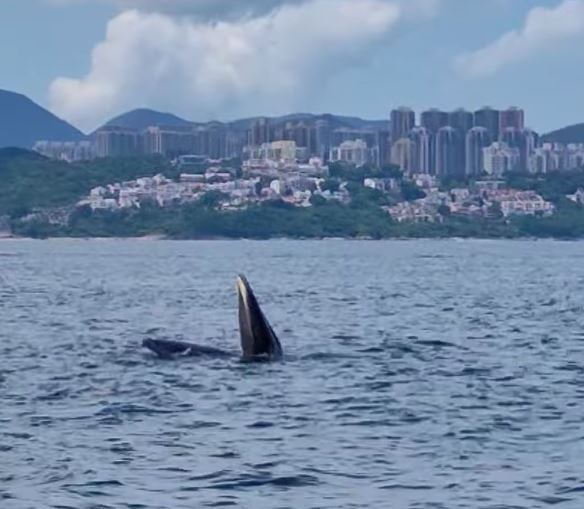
(258, 340)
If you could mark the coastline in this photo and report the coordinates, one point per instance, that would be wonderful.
(154, 238)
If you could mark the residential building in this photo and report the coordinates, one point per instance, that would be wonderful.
(449, 152)
(403, 121)
(112, 141)
(512, 118)
(383, 143)
(69, 151)
(322, 135)
(462, 120)
(421, 155)
(402, 155)
(488, 118)
(499, 159)
(355, 152)
(433, 120)
(260, 132)
(477, 139)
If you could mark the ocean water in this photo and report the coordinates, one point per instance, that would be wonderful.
(418, 374)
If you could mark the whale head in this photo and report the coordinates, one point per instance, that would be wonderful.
(258, 339)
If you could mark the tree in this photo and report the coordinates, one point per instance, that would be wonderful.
(331, 185)
(444, 210)
(411, 191)
(212, 199)
(317, 200)
(391, 171)
(495, 210)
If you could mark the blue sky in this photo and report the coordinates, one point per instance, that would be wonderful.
(88, 60)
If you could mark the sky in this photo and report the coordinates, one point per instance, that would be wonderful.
(90, 60)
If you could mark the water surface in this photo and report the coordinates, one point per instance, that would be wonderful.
(420, 374)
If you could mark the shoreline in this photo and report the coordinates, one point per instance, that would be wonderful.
(153, 238)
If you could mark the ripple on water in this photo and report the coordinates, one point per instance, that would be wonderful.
(435, 375)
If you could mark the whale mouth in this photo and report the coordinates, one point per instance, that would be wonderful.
(257, 336)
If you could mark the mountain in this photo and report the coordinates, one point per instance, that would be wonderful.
(143, 118)
(23, 122)
(336, 121)
(571, 134)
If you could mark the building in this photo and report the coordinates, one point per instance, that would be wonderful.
(302, 134)
(69, 151)
(169, 142)
(477, 139)
(283, 150)
(527, 143)
(421, 155)
(462, 120)
(523, 203)
(348, 134)
(354, 152)
(545, 160)
(112, 141)
(510, 136)
(449, 152)
(433, 120)
(216, 136)
(512, 118)
(577, 197)
(403, 121)
(260, 132)
(234, 144)
(552, 157)
(322, 134)
(384, 147)
(575, 156)
(488, 118)
(402, 155)
(499, 159)
(523, 140)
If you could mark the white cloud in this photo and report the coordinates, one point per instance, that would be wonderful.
(268, 63)
(543, 27)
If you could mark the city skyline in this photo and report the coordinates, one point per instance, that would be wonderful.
(438, 143)
(102, 57)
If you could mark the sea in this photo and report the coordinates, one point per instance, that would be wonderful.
(426, 374)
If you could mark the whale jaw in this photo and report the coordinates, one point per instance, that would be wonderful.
(258, 339)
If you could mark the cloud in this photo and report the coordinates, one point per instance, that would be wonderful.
(269, 63)
(543, 27)
(232, 9)
(201, 9)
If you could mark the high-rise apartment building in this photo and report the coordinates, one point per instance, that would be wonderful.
(499, 159)
(449, 152)
(402, 155)
(462, 120)
(322, 134)
(403, 121)
(477, 139)
(421, 157)
(488, 118)
(354, 152)
(383, 143)
(512, 118)
(113, 141)
(433, 120)
(260, 132)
